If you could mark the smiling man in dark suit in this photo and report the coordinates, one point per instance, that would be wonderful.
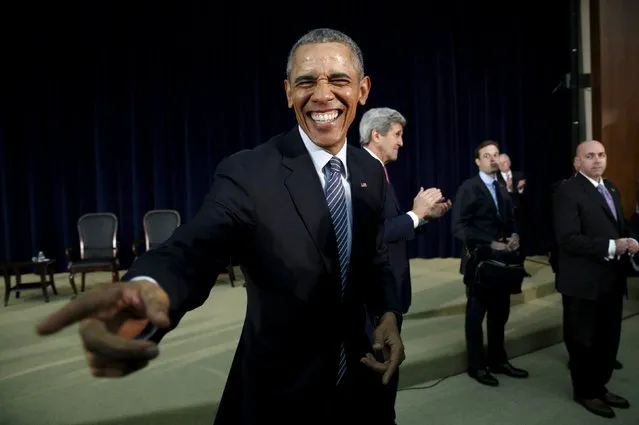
(593, 239)
(381, 133)
(304, 213)
(483, 220)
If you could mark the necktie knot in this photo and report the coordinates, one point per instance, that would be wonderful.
(335, 165)
(600, 188)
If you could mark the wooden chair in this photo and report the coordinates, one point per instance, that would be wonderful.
(158, 226)
(98, 248)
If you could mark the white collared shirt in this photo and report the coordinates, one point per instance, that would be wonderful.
(417, 221)
(320, 158)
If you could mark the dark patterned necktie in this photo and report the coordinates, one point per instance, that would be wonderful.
(336, 199)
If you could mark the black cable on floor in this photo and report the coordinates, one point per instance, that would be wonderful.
(426, 387)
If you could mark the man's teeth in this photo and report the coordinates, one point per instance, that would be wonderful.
(324, 117)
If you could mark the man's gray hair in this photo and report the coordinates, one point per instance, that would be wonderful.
(380, 119)
(327, 35)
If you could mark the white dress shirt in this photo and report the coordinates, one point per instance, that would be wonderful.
(320, 158)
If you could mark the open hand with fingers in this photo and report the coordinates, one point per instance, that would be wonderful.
(110, 317)
(386, 339)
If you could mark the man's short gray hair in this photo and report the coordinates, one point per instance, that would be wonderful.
(380, 119)
(327, 35)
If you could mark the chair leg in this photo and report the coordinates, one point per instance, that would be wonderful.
(84, 281)
(115, 276)
(72, 283)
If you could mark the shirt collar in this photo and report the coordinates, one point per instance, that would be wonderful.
(373, 155)
(593, 181)
(489, 180)
(319, 156)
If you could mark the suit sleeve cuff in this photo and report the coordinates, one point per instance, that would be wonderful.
(612, 248)
(150, 279)
(150, 330)
(415, 219)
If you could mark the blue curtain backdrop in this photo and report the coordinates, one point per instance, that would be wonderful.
(117, 107)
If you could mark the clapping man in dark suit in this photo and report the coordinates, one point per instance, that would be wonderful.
(304, 213)
(381, 133)
(594, 239)
(514, 181)
(483, 219)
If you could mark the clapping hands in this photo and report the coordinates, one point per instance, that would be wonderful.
(429, 203)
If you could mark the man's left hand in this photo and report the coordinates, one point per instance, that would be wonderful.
(521, 185)
(633, 246)
(513, 242)
(440, 209)
(386, 339)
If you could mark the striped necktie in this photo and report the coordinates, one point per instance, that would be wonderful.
(336, 199)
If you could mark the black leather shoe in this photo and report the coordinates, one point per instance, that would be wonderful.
(618, 365)
(484, 377)
(596, 406)
(615, 401)
(509, 370)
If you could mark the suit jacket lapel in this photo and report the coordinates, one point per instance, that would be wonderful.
(617, 201)
(488, 195)
(596, 196)
(358, 188)
(305, 188)
(393, 196)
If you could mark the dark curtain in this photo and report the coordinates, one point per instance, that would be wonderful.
(125, 107)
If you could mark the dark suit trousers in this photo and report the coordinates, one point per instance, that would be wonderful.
(393, 385)
(495, 305)
(389, 392)
(592, 330)
(352, 405)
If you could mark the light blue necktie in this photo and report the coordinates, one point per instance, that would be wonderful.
(336, 199)
(603, 190)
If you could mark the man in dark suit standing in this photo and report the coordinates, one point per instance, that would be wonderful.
(304, 215)
(553, 248)
(483, 219)
(513, 181)
(381, 133)
(515, 184)
(553, 254)
(594, 239)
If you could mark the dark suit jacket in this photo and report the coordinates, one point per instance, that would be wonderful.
(584, 226)
(475, 219)
(551, 238)
(268, 208)
(515, 195)
(398, 230)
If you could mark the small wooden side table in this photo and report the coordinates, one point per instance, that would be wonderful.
(42, 268)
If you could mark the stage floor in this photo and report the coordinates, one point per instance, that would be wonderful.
(47, 377)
